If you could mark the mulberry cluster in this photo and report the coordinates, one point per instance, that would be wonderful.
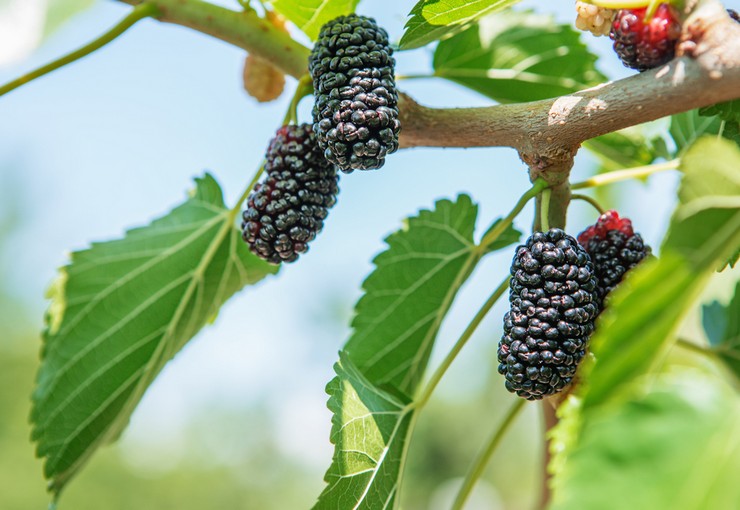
(553, 300)
(614, 249)
(595, 19)
(642, 44)
(286, 211)
(356, 111)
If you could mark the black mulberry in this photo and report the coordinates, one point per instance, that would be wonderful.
(286, 211)
(356, 110)
(553, 300)
(614, 249)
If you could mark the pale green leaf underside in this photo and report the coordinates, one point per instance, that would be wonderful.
(410, 291)
(517, 56)
(431, 20)
(310, 15)
(649, 306)
(120, 311)
(677, 448)
(369, 433)
(60, 11)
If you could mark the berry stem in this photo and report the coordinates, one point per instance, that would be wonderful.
(545, 210)
(238, 206)
(481, 461)
(537, 187)
(590, 200)
(303, 89)
(139, 12)
(623, 175)
(474, 323)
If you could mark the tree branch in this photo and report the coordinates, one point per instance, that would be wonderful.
(242, 29)
(555, 128)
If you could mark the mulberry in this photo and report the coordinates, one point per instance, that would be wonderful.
(645, 45)
(286, 211)
(356, 110)
(614, 249)
(595, 19)
(553, 300)
(734, 14)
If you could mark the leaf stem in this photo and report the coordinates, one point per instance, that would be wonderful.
(691, 346)
(474, 323)
(537, 187)
(545, 210)
(629, 173)
(480, 463)
(138, 13)
(237, 207)
(590, 200)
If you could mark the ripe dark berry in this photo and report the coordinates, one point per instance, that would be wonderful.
(614, 249)
(552, 293)
(645, 45)
(734, 14)
(356, 110)
(286, 211)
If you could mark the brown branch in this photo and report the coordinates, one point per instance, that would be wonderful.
(242, 29)
(551, 130)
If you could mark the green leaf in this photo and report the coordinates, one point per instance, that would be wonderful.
(627, 148)
(431, 20)
(722, 325)
(310, 15)
(383, 362)
(369, 431)
(60, 11)
(678, 448)
(517, 56)
(120, 311)
(687, 127)
(409, 293)
(729, 111)
(645, 311)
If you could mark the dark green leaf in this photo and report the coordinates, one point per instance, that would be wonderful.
(675, 448)
(310, 15)
(729, 111)
(627, 148)
(518, 56)
(645, 311)
(120, 311)
(369, 432)
(432, 20)
(689, 126)
(714, 320)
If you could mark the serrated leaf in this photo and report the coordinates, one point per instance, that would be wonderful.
(369, 431)
(310, 15)
(678, 448)
(722, 325)
(383, 362)
(121, 310)
(517, 56)
(409, 293)
(645, 311)
(432, 20)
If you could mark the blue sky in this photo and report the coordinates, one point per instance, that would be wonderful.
(114, 141)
